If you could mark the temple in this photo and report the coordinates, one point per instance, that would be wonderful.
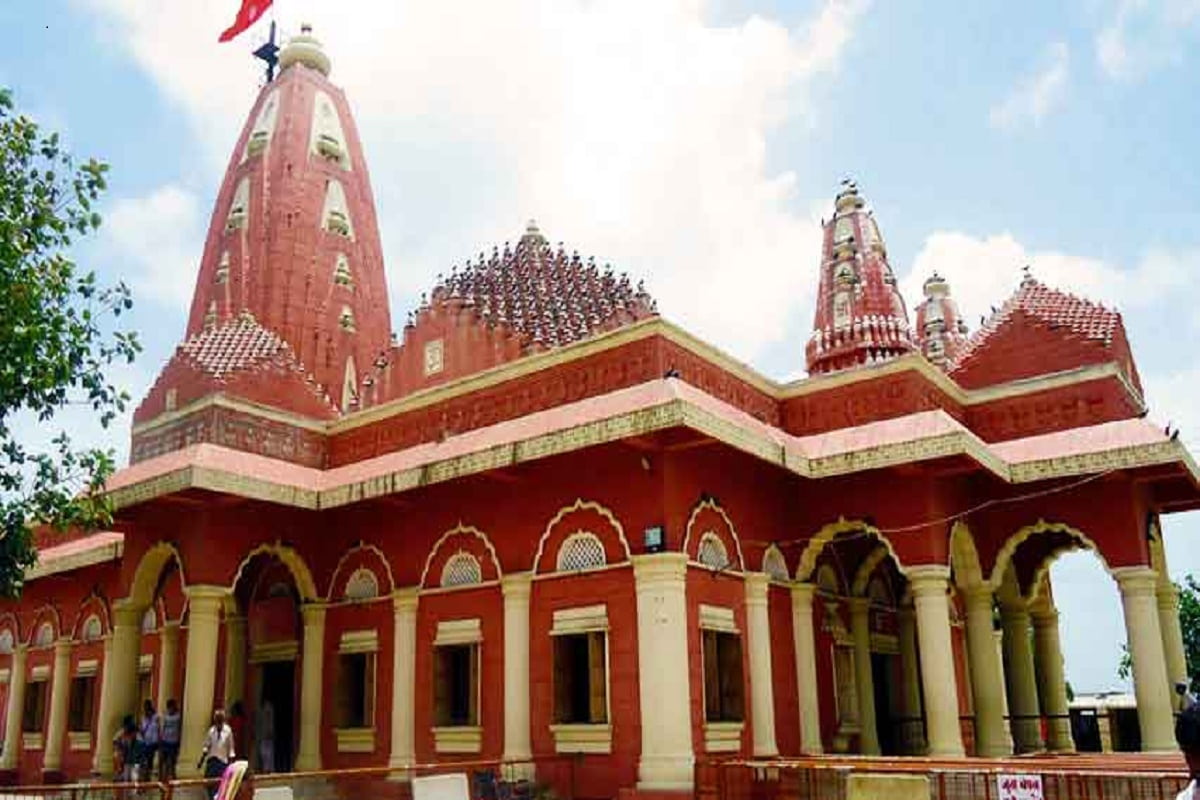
(543, 520)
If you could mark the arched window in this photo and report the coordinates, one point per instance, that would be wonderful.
(362, 585)
(149, 620)
(92, 629)
(581, 550)
(328, 139)
(264, 125)
(712, 552)
(45, 635)
(335, 216)
(239, 209)
(775, 565)
(7, 641)
(462, 569)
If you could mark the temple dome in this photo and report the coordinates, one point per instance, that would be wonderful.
(860, 317)
(941, 330)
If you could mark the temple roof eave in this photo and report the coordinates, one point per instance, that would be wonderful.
(655, 406)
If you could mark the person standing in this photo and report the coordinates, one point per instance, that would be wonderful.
(172, 727)
(149, 733)
(218, 752)
(265, 735)
(125, 751)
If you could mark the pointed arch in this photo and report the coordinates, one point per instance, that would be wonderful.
(12, 623)
(46, 614)
(774, 564)
(812, 550)
(1009, 549)
(144, 585)
(352, 557)
(723, 528)
(611, 533)
(290, 558)
(471, 540)
(964, 558)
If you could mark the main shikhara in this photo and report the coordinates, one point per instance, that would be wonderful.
(544, 520)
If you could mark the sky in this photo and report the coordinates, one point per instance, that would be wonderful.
(696, 145)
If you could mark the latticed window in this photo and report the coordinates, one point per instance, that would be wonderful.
(6, 641)
(462, 569)
(775, 565)
(581, 550)
(45, 635)
(149, 621)
(93, 629)
(711, 552)
(362, 585)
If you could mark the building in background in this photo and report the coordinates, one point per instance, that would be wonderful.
(543, 520)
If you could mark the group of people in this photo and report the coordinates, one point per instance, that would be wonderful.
(138, 743)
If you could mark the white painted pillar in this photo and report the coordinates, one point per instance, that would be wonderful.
(929, 584)
(860, 630)
(200, 673)
(667, 759)
(1021, 680)
(312, 670)
(102, 753)
(1149, 664)
(404, 679)
(235, 660)
(168, 664)
(804, 640)
(60, 690)
(758, 640)
(516, 589)
(1052, 682)
(987, 675)
(17, 681)
(914, 729)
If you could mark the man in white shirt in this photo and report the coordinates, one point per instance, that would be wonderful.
(218, 751)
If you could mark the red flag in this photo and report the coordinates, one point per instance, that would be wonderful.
(247, 15)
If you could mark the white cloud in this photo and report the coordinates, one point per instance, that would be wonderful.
(983, 272)
(157, 239)
(635, 131)
(1145, 35)
(1035, 95)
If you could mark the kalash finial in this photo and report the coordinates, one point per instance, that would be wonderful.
(304, 49)
(533, 235)
(1027, 278)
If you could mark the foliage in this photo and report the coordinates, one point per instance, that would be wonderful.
(57, 338)
(1189, 624)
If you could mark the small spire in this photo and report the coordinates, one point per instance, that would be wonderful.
(304, 49)
(1027, 278)
(533, 235)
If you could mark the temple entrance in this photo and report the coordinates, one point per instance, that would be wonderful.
(885, 674)
(275, 716)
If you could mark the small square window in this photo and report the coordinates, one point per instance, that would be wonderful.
(723, 684)
(580, 678)
(33, 720)
(82, 704)
(456, 685)
(356, 690)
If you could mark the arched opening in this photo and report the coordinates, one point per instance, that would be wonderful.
(867, 666)
(263, 645)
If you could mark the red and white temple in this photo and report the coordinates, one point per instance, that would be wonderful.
(545, 520)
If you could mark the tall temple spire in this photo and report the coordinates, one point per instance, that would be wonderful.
(293, 242)
(860, 317)
(941, 330)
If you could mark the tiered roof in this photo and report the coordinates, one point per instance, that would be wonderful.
(548, 296)
(240, 344)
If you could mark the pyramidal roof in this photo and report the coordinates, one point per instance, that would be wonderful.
(548, 296)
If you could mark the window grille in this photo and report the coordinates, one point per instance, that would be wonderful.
(45, 635)
(711, 552)
(92, 629)
(149, 621)
(6, 641)
(362, 585)
(462, 569)
(581, 550)
(775, 565)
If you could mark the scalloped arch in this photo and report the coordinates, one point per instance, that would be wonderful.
(712, 505)
(145, 577)
(291, 559)
(361, 547)
(1009, 549)
(445, 537)
(579, 505)
(96, 604)
(812, 551)
(41, 615)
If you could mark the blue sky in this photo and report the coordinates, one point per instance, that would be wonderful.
(695, 145)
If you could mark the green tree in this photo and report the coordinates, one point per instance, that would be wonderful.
(1189, 623)
(58, 336)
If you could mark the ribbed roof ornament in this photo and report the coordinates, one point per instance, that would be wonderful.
(533, 235)
(305, 49)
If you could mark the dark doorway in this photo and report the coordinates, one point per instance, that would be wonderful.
(278, 686)
(886, 724)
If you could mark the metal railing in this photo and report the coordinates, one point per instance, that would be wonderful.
(827, 778)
